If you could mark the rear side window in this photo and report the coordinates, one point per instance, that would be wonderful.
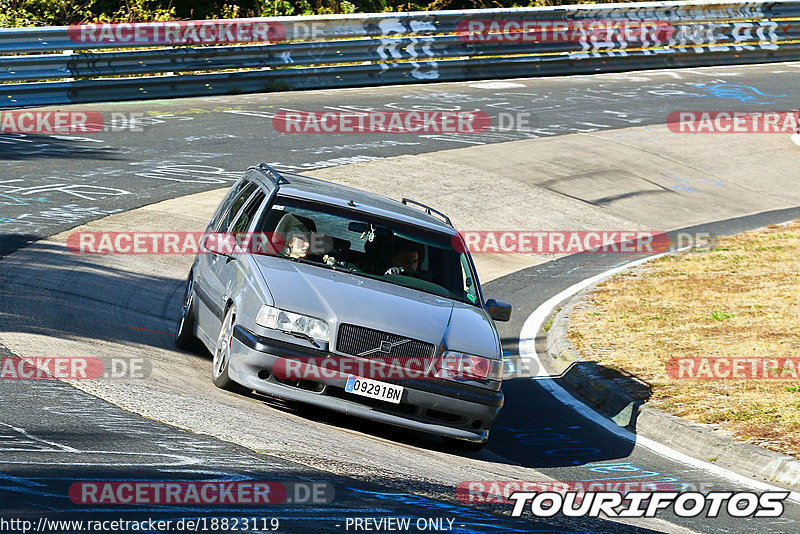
(225, 205)
(244, 221)
(238, 201)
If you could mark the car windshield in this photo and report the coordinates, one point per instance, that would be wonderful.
(342, 239)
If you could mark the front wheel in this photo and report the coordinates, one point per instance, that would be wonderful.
(184, 331)
(222, 355)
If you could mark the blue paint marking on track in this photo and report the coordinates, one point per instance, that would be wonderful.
(546, 435)
(742, 93)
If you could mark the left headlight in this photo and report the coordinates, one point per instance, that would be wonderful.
(293, 323)
(468, 367)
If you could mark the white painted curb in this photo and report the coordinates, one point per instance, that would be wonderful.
(529, 357)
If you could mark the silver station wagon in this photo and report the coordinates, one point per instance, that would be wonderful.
(332, 296)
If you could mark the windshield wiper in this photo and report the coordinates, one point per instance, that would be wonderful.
(302, 336)
(307, 262)
(338, 268)
(299, 260)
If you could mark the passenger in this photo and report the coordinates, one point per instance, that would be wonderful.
(297, 246)
(292, 236)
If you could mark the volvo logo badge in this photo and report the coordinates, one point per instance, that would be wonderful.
(385, 347)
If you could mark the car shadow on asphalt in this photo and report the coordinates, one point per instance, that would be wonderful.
(23, 146)
(11, 242)
(536, 429)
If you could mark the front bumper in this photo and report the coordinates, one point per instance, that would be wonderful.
(446, 408)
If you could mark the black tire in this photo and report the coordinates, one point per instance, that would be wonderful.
(184, 331)
(463, 445)
(219, 366)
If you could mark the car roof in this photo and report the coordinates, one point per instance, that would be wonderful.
(308, 188)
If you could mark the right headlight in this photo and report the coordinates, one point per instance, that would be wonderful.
(292, 323)
(468, 367)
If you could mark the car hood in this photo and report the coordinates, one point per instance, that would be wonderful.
(340, 297)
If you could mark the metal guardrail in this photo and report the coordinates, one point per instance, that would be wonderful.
(376, 49)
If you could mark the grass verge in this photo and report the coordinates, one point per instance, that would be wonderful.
(741, 299)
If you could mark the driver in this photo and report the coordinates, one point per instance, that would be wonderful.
(404, 259)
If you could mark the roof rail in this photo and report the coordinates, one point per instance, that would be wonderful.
(429, 210)
(274, 176)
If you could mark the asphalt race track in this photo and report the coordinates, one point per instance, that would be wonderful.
(53, 434)
(189, 145)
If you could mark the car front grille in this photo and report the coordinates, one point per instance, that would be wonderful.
(366, 342)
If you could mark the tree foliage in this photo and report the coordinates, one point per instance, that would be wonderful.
(16, 13)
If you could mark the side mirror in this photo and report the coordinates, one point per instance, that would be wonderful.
(499, 311)
(222, 244)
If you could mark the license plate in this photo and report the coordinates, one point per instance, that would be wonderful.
(373, 389)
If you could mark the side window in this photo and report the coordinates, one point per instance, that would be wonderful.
(236, 205)
(244, 221)
(225, 205)
(468, 284)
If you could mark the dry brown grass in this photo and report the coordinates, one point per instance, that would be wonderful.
(740, 299)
